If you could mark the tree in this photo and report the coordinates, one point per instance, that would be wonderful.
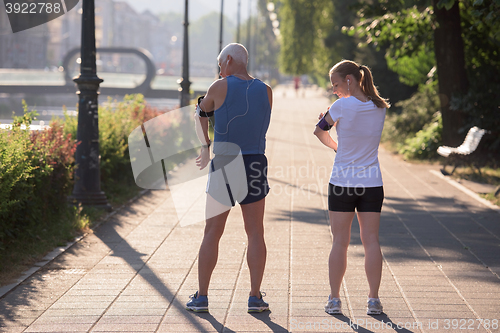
(265, 45)
(204, 42)
(304, 27)
(313, 40)
(464, 37)
(450, 61)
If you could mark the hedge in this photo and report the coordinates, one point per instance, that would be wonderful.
(37, 167)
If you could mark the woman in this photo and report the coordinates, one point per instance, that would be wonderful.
(356, 180)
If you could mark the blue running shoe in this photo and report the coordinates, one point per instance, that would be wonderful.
(256, 304)
(197, 303)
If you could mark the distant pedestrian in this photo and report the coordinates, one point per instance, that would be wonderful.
(296, 82)
(241, 107)
(356, 180)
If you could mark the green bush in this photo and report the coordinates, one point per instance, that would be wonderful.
(35, 175)
(411, 115)
(116, 121)
(425, 143)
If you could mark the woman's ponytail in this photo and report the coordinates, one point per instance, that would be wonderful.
(369, 88)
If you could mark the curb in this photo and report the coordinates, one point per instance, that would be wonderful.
(464, 189)
(60, 250)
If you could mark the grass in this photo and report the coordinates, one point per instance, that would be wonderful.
(488, 176)
(23, 253)
(491, 197)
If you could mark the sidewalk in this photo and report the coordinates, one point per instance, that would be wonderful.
(135, 273)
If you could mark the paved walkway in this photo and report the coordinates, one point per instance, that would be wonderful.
(135, 273)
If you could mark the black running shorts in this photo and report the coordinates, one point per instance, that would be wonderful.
(254, 188)
(256, 169)
(348, 199)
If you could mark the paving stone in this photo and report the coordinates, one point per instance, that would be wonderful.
(129, 327)
(58, 328)
(48, 320)
(13, 329)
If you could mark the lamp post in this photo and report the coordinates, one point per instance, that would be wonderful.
(87, 189)
(221, 24)
(239, 22)
(221, 27)
(185, 84)
(249, 28)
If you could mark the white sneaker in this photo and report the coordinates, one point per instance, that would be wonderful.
(374, 307)
(334, 306)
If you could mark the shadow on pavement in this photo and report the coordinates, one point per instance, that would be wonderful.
(135, 260)
(398, 327)
(309, 215)
(287, 188)
(384, 323)
(214, 322)
(265, 317)
(450, 231)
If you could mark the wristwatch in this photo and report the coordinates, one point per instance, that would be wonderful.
(207, 145)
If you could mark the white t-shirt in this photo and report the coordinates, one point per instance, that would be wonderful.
(359, 129)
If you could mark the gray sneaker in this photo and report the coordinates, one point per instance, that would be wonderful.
(334, 306)
(374, 307)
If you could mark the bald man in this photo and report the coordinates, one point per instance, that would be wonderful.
(241, 109)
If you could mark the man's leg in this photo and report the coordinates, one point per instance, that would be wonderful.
(253, 215)
(209, 249)
(369, 224)
(340, 223)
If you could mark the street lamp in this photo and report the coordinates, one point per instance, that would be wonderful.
(87, 189)
(185, 84)
(221, 24)
(249, 28)
(239, 23)
(220, 34)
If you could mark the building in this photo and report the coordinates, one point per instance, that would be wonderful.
(117, 25)
(25, 49)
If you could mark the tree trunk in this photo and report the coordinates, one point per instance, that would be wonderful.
(452, 77)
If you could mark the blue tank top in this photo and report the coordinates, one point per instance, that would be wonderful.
(244, 124)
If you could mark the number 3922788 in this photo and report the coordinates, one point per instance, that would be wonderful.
(33, 7)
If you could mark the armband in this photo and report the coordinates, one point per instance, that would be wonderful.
(200, 112)
(323, 124)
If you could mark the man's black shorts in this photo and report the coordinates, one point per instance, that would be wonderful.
(347, 199)
(257, 186)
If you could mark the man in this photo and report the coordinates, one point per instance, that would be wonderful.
(241, 106)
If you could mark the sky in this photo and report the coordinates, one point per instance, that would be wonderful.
(197, 8)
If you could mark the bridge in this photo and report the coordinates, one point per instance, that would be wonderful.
(39, 81)
(16, 81)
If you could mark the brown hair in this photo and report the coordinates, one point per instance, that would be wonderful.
(363, 75)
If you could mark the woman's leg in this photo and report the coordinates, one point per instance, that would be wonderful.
(253, 215)
(340, 223)
(369, 223)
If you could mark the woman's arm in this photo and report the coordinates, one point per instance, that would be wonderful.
(323, 135)
(325, 138)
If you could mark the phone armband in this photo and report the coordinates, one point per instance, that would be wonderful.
(200, 112)
(323, 124)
